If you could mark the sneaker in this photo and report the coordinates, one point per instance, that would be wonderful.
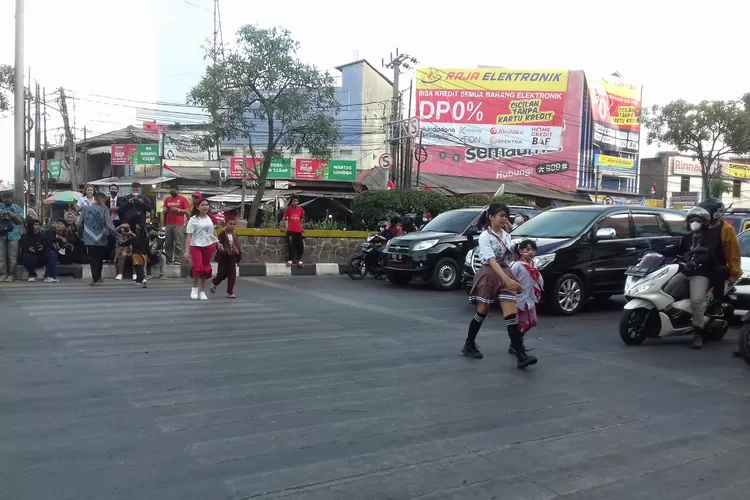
(163, 277)
(32, 279)
(231, 296)
(148, 277)
(144, 284)
(194, 293)
(697, 342)
(50, 280)
(118, 277)
(203, 296)
(471, 349)
(300, 264)
(289, 263)
(135, 277)
(3, 279)
(212, 289)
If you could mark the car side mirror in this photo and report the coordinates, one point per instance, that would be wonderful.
(606, 233)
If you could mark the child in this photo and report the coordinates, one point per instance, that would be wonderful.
(138, 241)
(228, 256)
(157, 251)
(532, 286)
(122, 251)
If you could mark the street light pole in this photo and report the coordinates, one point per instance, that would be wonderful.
(19, 131)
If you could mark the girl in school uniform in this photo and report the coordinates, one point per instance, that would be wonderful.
(532, 286)
(494, 282)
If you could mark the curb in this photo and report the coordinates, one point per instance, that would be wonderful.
(246, 269)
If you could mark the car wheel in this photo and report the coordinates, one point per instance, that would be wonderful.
(567, 296)
(446, 275)
(398, 278)
(744, 343)
(634, 326)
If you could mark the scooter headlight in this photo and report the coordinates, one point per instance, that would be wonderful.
(640, 289)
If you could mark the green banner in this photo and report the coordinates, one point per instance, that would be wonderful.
(54, 168)
(281, 168)
(340, 170)
(147, 154)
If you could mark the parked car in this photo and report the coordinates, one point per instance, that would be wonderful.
(583, 251)
(740, 297)
(739, 218)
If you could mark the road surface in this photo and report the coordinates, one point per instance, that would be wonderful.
(324, 388)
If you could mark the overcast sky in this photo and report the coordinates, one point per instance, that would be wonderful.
(150, 50)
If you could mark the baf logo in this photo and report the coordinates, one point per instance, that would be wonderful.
(431, 75)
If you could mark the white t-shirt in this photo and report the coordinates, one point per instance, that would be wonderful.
(202, 231)
(84, 202)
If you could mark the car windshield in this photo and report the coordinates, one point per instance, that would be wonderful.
(557, 224)
(744, 239)
(735, 222)
(453, 221)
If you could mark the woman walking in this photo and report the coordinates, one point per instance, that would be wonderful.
(495, 283)
(201, 241)
(95, 223)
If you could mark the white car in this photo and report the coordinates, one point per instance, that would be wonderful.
(740, 298)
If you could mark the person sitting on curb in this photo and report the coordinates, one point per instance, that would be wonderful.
(37, 251)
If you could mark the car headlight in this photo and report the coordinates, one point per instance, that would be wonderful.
(542, 261)
(424, 245)
(469, 257)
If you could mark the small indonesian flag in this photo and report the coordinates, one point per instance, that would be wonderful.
(169, 170)
(427, 188)
(390, 185)
(653, 188)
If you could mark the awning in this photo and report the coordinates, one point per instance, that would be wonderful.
(452, 185)
(127, 181)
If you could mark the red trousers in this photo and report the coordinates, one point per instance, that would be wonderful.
(201, 261)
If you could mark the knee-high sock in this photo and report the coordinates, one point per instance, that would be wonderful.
(474, 326)
(511, 323)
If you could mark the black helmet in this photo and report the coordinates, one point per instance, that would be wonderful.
(714, 207)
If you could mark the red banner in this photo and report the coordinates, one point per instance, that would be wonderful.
(122, 154)
(309, 169)
(236, 166)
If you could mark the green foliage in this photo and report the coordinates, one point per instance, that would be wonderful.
(261, 81)
(719, 187)
(370, 207)
(709, 131)
(324, 225)
(6, 86)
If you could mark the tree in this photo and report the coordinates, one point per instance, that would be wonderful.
(6, 86)
(261, 81)
(709, 130)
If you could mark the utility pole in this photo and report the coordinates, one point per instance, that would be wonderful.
(18, 110)
(85, 158)
(37, 156)
(29, 125)
(244, 183)
(396, 63)
(46, 156)
(70, 145)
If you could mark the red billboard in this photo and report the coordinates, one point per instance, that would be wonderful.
(122, 154)
(616, 110)
(503, 124)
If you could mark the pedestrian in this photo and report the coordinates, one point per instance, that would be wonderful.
(37, 251)
(10, 234)
(176, 210)
(115, 202)
(74, 238)
(294, 216)
(494, 282)
(138, 241)
(200, 242)
(95, 223)
(133, 210)
(227, 258)
(123, 251)
(88, 197)
(532, 286)
(157, 253)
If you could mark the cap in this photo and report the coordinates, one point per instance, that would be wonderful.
(197, 194)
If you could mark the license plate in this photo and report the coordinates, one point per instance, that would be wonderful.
(394, 257)
(638, 272)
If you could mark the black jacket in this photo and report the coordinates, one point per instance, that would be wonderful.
(702, 263)
(133, 210)
(139, 243)
(40, 243)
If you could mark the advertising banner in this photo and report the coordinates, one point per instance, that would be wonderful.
(122, 154)
(281, 168)
(321, 170)
(147, 154)
(615, 166)
(616, 109)
(607, 199)
(501, 123)
(180, 145)
(680, 199)
(54, 167)
(736, 170)
(683, 165)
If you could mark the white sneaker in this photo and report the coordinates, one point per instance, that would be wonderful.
(135, 277)
(144, 284)
(203, 296)
(194, 293)
(32, 279)
(50, 280)
(118, 277)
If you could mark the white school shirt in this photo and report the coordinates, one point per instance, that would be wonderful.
(202, 231)
(493, 245)
(84, 202)
(526, 297)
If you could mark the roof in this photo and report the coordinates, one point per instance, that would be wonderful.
(365, 61)
(128, 135)
(452, 185)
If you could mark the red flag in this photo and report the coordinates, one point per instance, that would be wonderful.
(391, 185)
(653, 188)
(427, 188)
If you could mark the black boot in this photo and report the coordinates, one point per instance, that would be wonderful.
(471, 349)
(510, 349)
(523, 358)
(697, 341)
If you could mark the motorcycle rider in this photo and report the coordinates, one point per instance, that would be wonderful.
(392, 229)
(731, 269)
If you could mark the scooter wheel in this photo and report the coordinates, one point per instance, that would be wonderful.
(356, 268)
(744, 343)
(634, 326)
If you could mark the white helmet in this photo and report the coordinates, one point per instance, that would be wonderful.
(698, 214)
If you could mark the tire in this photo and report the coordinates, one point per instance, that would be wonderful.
(446, 276)
(567, 295)
(634, 326)
(744, 343)
(398, 278)
(356, 268)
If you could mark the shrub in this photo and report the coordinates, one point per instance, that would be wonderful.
(371, 207)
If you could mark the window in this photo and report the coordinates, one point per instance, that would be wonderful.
(736, 189)
(453, 221)
(649, 225)
(557, 223)
(620, 223)
(684, 183)
(744, 240)
(677, 223)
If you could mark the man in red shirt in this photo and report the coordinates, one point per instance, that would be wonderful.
(294, 215)
(176, 211)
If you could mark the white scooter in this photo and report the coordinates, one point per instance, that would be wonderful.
(653, 313)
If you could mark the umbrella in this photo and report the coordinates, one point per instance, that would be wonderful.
(66, 197)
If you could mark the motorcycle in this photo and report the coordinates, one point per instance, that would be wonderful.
(368, 260)
(651, 312)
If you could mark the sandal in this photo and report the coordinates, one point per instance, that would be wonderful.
(212, 289)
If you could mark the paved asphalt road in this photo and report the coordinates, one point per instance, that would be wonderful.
(324, 388)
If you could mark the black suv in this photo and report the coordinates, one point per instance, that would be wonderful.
(436, 252)
(583, 251)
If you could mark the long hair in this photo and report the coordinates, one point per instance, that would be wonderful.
(89, 186)
(194, 212)
(491, 211)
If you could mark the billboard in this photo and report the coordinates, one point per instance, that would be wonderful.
(501, 123)
(280, 168)
(616, 110)
(615, 166)
(683, 165)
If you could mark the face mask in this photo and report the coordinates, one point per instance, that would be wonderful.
(695, 226)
